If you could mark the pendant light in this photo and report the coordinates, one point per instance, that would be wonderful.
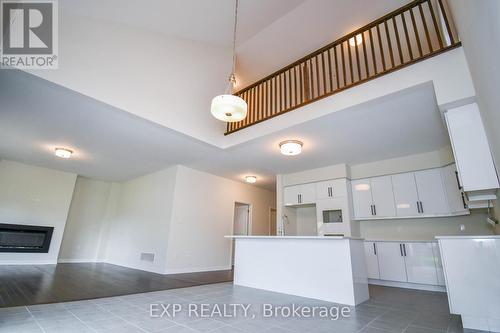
(228, 107)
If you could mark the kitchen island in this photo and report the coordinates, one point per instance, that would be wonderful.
(326, 268)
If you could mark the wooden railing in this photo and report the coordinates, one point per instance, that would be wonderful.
(417, 31)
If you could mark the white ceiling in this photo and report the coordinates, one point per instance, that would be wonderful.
(110, 144)
(208, 21)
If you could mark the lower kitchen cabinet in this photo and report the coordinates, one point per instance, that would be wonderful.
(420, 263)
(391, 261)
(371, 260)
(417, 263)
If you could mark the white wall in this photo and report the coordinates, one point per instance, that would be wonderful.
(141, 221)
(478, 23)
(203, 213)
(35, 196)
(166, 80)
(85, 230)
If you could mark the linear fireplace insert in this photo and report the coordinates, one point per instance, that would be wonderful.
(25, 238)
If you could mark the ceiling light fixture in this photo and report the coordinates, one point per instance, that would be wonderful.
(359, 40)
(251, 179)
(227, 107)
(291, 147)
(63, 152)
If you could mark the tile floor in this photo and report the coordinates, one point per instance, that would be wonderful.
(390, 310)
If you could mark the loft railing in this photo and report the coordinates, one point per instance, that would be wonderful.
(412, 33)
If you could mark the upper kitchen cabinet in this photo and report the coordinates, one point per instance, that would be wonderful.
(431, 195)
(373, 197)
(405, 194)
(299, 194)
(456, 198)
(331, 189)
(475, 165)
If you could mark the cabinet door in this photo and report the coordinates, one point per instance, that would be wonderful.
(456, 199)
(391, 261)
(371, 260)
(439, 265)
(362, 198)
(383, 196)
(291, 195)
(324, 190)
(307, 193)
(431, 192)
(405, 194)
(420, 264)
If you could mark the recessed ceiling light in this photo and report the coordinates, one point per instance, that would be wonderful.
(251, 179)
(291, 147)
(63, 152)
(359, 40)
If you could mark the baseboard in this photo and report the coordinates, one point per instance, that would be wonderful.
(77, 261)
(197, 269)
(31, 263)
(407, 285)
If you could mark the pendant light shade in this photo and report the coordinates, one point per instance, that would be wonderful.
(229, 108)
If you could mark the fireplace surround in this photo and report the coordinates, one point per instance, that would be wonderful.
(25, 238)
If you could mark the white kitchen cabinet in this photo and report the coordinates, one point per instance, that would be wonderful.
(471, 150)
(453, 189)
(405, 194)
(420, 263)
(299, 194)
(431, 194)
(439, 265)
(372, 260)
(382, 197)
(362, 198)
(391, 261)
(331, 189)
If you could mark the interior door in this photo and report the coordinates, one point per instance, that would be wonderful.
(371, 260)
(291, 195)
(383, 196)
(405, 194)
(454, 194)
(362, 198)
(391, 261)
(431, 192)
(420, 264)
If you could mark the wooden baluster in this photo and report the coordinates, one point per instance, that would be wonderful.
(372, 46)
(336, 66)
(446, 22)
(424, 22)
(365, 56)
(302, 84)
(330, 69)
(283, 92)
(407, 35)
(415, 30)
(381, 46)
(398, 41)
(349, 55)
(389, 43)
(436, 27)
(356, 49)
(343, 64)
(324, 71)
(275, 96)
(318, 79)
(261, 101)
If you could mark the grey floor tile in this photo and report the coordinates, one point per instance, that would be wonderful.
(416, 329)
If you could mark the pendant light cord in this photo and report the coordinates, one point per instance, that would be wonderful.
(234, 36)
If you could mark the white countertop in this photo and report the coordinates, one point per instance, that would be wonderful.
(401, 240)
(469, 237)
(293, 237)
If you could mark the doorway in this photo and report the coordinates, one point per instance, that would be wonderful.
(241, 223)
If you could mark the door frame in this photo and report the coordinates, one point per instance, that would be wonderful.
(249, 228)
(271, 209)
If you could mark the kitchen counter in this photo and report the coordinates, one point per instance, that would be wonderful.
(329, 268)
(469, 237)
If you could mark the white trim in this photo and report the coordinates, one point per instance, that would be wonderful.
(5, 263)
(407, 285)
(197, 269)
(74, 261)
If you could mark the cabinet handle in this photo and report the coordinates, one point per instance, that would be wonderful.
(330, 192)
(401, 249)
(421, 207)
(374, 249)
(371, 207)
(404, 249)
(374, 210)
(418, 207)
(458, 181)
(463, 200)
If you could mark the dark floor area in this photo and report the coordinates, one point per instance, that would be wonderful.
(40, 284)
